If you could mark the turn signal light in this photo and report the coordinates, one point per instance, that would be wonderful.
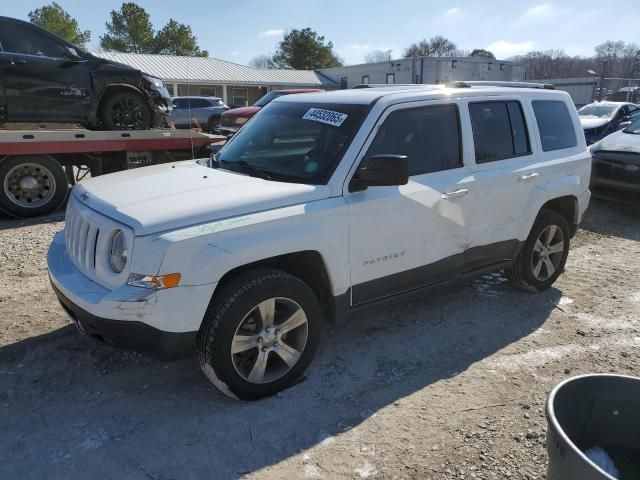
(154, 281)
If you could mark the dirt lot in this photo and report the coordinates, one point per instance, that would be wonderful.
(446, 387)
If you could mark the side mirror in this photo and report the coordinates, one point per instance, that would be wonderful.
(381, 171)
(71, 53)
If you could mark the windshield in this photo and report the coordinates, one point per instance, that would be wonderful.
(267, 98)
(633, 128)
(600, 111)
(294, 141)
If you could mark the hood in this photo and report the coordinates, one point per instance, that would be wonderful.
(174, 195)
(243, 111)
(593, 122)
(619, 142)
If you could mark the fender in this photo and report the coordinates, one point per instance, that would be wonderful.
(556, 187)
(215, 248)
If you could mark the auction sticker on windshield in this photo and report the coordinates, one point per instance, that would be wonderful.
(325, 116)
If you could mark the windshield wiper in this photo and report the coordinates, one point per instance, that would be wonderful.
(249, 168)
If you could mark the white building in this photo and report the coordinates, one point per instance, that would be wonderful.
(428, 70)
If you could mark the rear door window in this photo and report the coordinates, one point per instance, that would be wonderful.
(555, 125)
(499, 130)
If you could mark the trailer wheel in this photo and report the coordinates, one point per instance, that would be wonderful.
(32, 185)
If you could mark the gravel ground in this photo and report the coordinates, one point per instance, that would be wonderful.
(451, 386)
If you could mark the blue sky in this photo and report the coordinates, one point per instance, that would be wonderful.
(238, 30)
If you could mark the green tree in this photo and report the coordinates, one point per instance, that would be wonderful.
(57, 20)
(305, 50)
(130, 30)
(177, 39)
(481, 52)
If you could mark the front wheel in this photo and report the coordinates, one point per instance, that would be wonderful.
(259, 334)
(544, 254)
(31, 185)
(125, 111)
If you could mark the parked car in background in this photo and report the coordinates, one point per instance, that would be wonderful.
(625, 94)
(616, 160)
(599, 119)
(232, 120)
(47, 79)
(197, 112)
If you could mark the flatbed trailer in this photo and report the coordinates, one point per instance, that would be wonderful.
(38, 166)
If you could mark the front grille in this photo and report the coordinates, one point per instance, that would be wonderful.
(81, 237)
(615, 171)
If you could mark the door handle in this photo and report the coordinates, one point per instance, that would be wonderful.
(528, 178)
(18, 62)
(455, 194)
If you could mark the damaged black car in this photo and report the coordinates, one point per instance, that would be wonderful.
(45, 79)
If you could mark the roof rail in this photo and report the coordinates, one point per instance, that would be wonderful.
(394, 85)
(490, 83)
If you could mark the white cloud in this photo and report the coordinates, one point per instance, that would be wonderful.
(505, 49)
(275, 32)
(544, 11)
(452, 11)
(360, 46)
(235, 53)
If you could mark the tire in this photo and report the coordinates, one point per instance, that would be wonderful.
(235, 310)
(125, 111)
(213, 124)
(31, 185)
(542, 259)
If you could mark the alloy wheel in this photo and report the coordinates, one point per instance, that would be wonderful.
(547, 253)
(269, 340)
(128, 114)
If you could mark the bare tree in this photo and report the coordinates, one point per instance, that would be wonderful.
(437, 46)
(618, 59)
(375, 56)
(262, 61)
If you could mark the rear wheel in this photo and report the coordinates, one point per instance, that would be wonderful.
(32, 185)
(125, 111)
(259, 334)
(542, 259)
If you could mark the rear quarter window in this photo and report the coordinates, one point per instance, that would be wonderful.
(554, 124)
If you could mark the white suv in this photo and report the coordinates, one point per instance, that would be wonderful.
(321, 204)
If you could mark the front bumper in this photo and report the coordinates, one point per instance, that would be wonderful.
(228, 129)
(616, 174)
(128, 335)
(162, 322)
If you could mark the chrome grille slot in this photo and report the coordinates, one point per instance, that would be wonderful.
(90, 249)
(81, 239)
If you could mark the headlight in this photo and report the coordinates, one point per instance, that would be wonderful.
(156, 82)
(118, 252)
(241, 120)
